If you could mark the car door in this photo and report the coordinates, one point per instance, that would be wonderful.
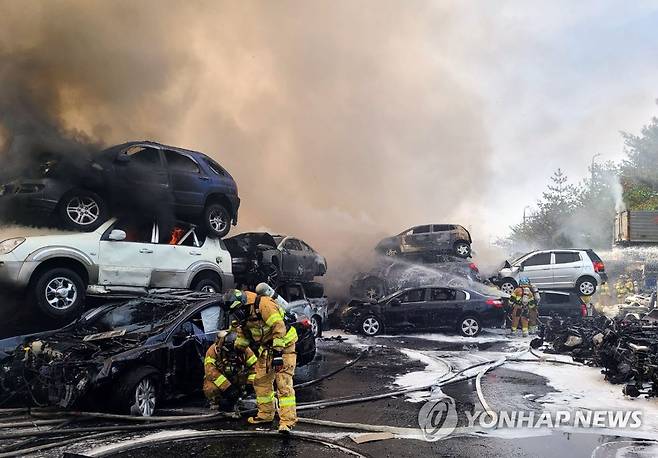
(405, 312)
(567, 268)
(188, 182)
(419, 237)
(188, 344)
(292, 258)
(446, 305)
(441, 236)
(538, 269)
(127, 262)
(141, 168)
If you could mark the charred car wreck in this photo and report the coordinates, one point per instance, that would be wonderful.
(138, 353)
(274, 259)
(626, 349)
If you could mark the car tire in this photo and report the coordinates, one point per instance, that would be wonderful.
(82, 210)
(217, 220)
(462, 249)
(508, 285)
(469, 326)
(137, 392)
(316, 326)
(586, 286)
(371, 326)
(207, 285)
(59, 293)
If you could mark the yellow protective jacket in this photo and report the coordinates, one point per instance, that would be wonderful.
(265, 326)
(222, 372)
(529, 293)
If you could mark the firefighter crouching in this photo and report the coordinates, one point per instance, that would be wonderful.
(262, 327)
(227, 371)
(525, 302)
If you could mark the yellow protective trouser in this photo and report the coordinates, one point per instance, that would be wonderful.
(533, 315)
(285, 393)
(519, 312)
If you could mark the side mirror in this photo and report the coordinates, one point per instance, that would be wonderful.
(521, 268)
(395, 302)
(117, 235)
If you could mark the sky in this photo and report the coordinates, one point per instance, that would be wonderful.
(342, 121)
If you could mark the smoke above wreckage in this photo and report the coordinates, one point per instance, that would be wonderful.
(333, 138)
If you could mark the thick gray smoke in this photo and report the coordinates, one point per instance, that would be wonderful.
(340, 121)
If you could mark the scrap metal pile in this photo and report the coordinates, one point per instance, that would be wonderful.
(626, 349)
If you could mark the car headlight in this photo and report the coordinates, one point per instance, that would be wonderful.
(9, 245)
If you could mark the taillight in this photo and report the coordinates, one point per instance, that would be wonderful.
(598, 266)
(497, 304)
(305, 322)
(583, 310)
(473, 267)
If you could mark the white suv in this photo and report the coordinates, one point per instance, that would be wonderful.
(120, 257)
(555, 269)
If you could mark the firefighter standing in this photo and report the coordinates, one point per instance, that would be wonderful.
(227, 371)
(262, 326)
(525, 301)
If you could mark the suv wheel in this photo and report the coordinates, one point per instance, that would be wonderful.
(371, 326)
(217, 220)
(82, 210)
(462, 249)
(508, 286)
(207, 285)
(59, 293)
(470, 326)
(316, 326)
(586, 286)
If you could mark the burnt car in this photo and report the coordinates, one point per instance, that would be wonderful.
(262, 257)
(140, 176)
(447, 238)
(413, 269)
(424, 309)
(298, 296)
(127, 356)
(563, 304)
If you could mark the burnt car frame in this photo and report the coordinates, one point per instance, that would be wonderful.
(427, 308)
(135, 175)
(412, 270)
(274, 259)
(445, 238)
(126, 356)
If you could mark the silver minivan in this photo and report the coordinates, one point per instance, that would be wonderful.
(555, 269)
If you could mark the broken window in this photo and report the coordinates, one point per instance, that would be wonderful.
(180, 163)
(144, 156)
(136, 231)
(421, 229)
(292, 244)
(295, 293)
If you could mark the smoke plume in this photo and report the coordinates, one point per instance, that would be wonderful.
(340, 121)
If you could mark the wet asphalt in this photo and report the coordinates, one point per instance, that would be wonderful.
(376, 373)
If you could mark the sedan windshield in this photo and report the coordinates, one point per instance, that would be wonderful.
(136, 315)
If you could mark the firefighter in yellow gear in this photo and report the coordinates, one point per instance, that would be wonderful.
(227, 370)
(630, 286)
(525, 302)
(262, 327)
(620, 289)
(604, 296)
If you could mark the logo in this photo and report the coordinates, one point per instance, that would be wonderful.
(438, 418)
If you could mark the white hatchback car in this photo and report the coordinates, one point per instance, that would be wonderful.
(120, 257)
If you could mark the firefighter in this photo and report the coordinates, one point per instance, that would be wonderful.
(525, 300)
(630, 286)
(604, 296)
(262, 327)
(227, 371)
(620, 289)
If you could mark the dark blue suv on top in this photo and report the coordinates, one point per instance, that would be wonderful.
(143, 176)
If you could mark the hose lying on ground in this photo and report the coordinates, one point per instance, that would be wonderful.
(330, 374)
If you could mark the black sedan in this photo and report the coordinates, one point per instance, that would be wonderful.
(127, 357)
(424, 309)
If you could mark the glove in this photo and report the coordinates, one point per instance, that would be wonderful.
(231, 394)
(277, 360)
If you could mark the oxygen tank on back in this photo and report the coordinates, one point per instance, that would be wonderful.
(266, 290)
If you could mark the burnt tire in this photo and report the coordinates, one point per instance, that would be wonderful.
(207, 285)
(469, 326)
(508, 286)
(217, 220)
(82, 210)
(59, 293)
(137, 392)
(370, 326)
(462, 249)
(586, 286)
